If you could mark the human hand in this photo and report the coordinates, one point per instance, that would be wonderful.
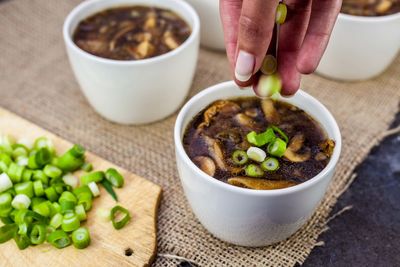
(248, 27)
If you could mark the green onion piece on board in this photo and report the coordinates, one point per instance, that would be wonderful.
(38, 188)
(86, 200)
(5, 161)
(39, 175)
(67, 196)
(239, 157)
(19, 150)
(22, 241)
(21, 201)
(81, 238)
(7, 232)
(36, 201)
(270, 164)
(38, 234)
(6, 220)
(5, 182)
(43, 208)
(6, 143)
(108, 187)
(119, 217)
(94, 189)
(81, 190)
(71, 180)
(253, 170)
(25, 188)
(44, 142)
(70, 222)
(52, 171)
(67, 206)
(5, 201)
(56, 220)
(80, 212)
(59, 239)
(27, 175)
(51, 194)
(87, 167)
(15, 172)
(281, 12)
(96, 177)
(277, 148)
(73, 159)
(114, 177)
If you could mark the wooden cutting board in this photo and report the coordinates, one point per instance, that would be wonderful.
(140, 196)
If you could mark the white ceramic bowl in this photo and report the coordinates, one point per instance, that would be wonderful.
(134, 92)
(212, 35)
(243, 216)
(361, 48)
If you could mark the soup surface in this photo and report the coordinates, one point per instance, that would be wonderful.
(131, 33)
(218, 140)
(370, 7)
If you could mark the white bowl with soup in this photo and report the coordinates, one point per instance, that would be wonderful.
(234, 211)
(362, 45)
(141, 89)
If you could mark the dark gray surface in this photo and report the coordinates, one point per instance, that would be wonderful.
(369, 233)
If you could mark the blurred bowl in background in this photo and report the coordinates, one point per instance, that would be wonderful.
(360, 47)
(211, 34)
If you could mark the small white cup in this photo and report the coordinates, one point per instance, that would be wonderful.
(243, 216)
(361, 48)
(134, 91)
(212, 35)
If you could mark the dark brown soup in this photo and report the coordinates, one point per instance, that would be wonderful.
(218, 140)
(370, 7)
(131, 33)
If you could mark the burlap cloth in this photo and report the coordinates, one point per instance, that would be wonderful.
(36, 82)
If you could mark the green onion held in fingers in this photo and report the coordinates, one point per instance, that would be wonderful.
(119, 217)
(281, 12)
(96, 177)
(114, 177)
(253, 170)
(81, 238)
(270, 164)
(59, 239)
(73, 159)
(38, 234)
(269, 65)
(239, 157)
(268, 85)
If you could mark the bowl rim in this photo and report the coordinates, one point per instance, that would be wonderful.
(180, 151)
(370, 19)
(77, 9)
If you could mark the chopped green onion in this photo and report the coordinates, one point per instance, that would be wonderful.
(240, 157)
(256, 154)
(262, 138)
(51, 194)
(22, 161)
(277, 148)
(22, 241)
(73, 159)
(23, 228)
(7, 232)
(119, 217)
(59, 239)
(80, 212)
(71, 180)
(21, 201)
(43, 208)
(270, 164)
(27, 143)
(85, 199)
(19, 150)
(67, 206)
(5, 182)
(5, 201)
(6, 220)
(114, 177)
(5, 161)
(27, 175)
(81, 238)
(67, 196)
(15, 172)
(38, 188)
(94, 189)
(25, 188)
(87, 167)
(70, 222)
(38, 159)
(268, 85)
(52, 171)
(6, 143)
(253, 170)
(80, 190)
(39, 175)
(36, 201)
(44, 142)
(38, 234)
(108, 187)
(96, 177)
(281, 133)
(269, 65)
(5, 212)
(281, 12)
(56, 208)
(56, 220)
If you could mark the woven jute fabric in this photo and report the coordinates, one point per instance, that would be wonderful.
(37, 83)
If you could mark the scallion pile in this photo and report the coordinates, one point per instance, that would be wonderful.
(41, 200)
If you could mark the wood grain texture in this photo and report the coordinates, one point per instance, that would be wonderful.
(140, 196)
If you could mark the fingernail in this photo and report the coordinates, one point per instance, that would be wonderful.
(244, 66)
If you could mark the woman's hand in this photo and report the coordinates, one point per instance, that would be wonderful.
(248, 27)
